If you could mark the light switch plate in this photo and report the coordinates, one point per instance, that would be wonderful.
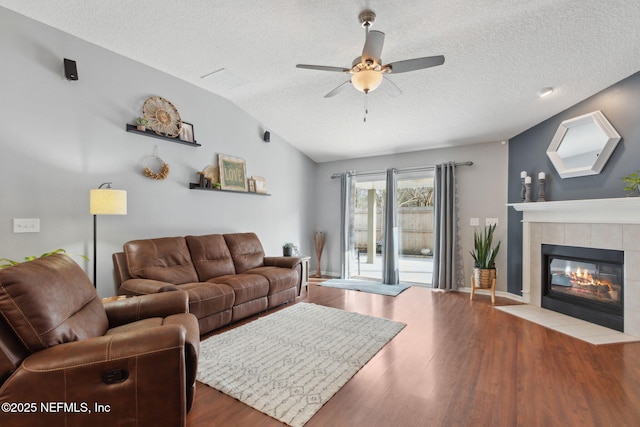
(26, 225)
(491, 221)
(474, 222)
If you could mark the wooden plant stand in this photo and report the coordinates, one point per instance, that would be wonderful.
(492, 288)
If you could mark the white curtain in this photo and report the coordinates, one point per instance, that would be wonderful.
(345, 223)
(446, 259)
(390, 274)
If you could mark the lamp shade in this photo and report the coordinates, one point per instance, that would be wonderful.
(107, 201)
(366, 80)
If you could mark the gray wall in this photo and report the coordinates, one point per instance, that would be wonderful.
(620, 103)
(60, 139)
(481, 193)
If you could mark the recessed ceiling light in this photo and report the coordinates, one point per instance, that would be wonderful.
(545, 91)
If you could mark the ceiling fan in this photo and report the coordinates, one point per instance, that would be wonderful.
(367, 71)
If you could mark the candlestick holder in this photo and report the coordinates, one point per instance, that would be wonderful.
(522, 191)
(541, 190)
(527, 193)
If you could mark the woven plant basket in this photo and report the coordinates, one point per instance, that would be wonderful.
(483, 277)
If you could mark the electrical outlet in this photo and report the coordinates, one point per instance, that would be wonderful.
(491, 221)
(26, 225)
(474, 222)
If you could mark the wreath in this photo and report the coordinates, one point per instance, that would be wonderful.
(163, 173)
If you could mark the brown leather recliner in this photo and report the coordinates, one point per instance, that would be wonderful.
(67, 359)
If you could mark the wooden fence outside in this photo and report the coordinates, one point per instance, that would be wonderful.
(415, 224)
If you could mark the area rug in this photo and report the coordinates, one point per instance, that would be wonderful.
(289, 363)
(365, 286)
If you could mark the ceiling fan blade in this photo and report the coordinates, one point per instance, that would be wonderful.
(323, 68)
(373, 45)
(338, 89)
(415, 64)
(390, 88)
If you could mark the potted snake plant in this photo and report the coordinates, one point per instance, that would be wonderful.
(484, 256)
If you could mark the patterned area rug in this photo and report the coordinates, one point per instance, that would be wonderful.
(289, 363)
(365, 286)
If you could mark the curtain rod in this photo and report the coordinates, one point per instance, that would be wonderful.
(413, 169)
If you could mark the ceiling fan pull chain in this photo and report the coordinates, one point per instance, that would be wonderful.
(366, 108)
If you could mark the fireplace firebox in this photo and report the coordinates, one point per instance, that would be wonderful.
(585, 283)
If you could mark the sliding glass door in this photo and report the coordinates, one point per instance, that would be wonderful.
(414, 195)
(368, 210)
(415, 227)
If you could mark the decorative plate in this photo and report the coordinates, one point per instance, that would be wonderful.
(163, 117)
(212, 173)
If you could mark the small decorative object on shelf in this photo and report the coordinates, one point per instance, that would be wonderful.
(233, 173)
(186, 133)
(527, 192)
(163, 117)
(632, 182)
(261, 184)
(212, 172)
(252, 185)
(541, 179)
(141, 124)
(523, 175)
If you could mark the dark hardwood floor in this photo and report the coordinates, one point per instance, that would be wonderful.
(462, 363)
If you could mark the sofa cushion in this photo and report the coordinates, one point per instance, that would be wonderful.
(246, 251)
(206, 299)
(210, 256)
(279, 278)
(50, 301)
(166, 259)
(246, 287)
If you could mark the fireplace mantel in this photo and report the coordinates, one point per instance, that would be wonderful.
(625, 210)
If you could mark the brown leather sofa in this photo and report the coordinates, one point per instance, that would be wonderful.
(68, 359)
(227, 276)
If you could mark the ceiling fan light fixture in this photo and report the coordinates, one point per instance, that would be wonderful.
(366, 80)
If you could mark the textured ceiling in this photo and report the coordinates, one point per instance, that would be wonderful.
(499, 54)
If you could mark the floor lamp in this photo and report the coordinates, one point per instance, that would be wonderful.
(105, 201)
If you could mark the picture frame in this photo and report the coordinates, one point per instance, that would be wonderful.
(252, 185)
(186, 133)
(261, 184)
(233, 173)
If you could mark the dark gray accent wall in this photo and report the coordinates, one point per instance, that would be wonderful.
(620, 103)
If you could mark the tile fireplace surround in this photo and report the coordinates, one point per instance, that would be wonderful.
(596, 223)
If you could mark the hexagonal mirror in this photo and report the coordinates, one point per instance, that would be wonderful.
(583, 145)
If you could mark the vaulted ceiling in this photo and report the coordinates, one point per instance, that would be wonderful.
(499, 55)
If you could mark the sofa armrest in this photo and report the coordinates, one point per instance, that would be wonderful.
(145, 286)
(128, 378)
(145, 306)
(106, 348)
(282, 261)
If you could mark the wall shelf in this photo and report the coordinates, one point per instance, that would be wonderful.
(195, 186)
(134, 129)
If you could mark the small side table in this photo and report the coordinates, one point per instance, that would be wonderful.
(304, 279)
